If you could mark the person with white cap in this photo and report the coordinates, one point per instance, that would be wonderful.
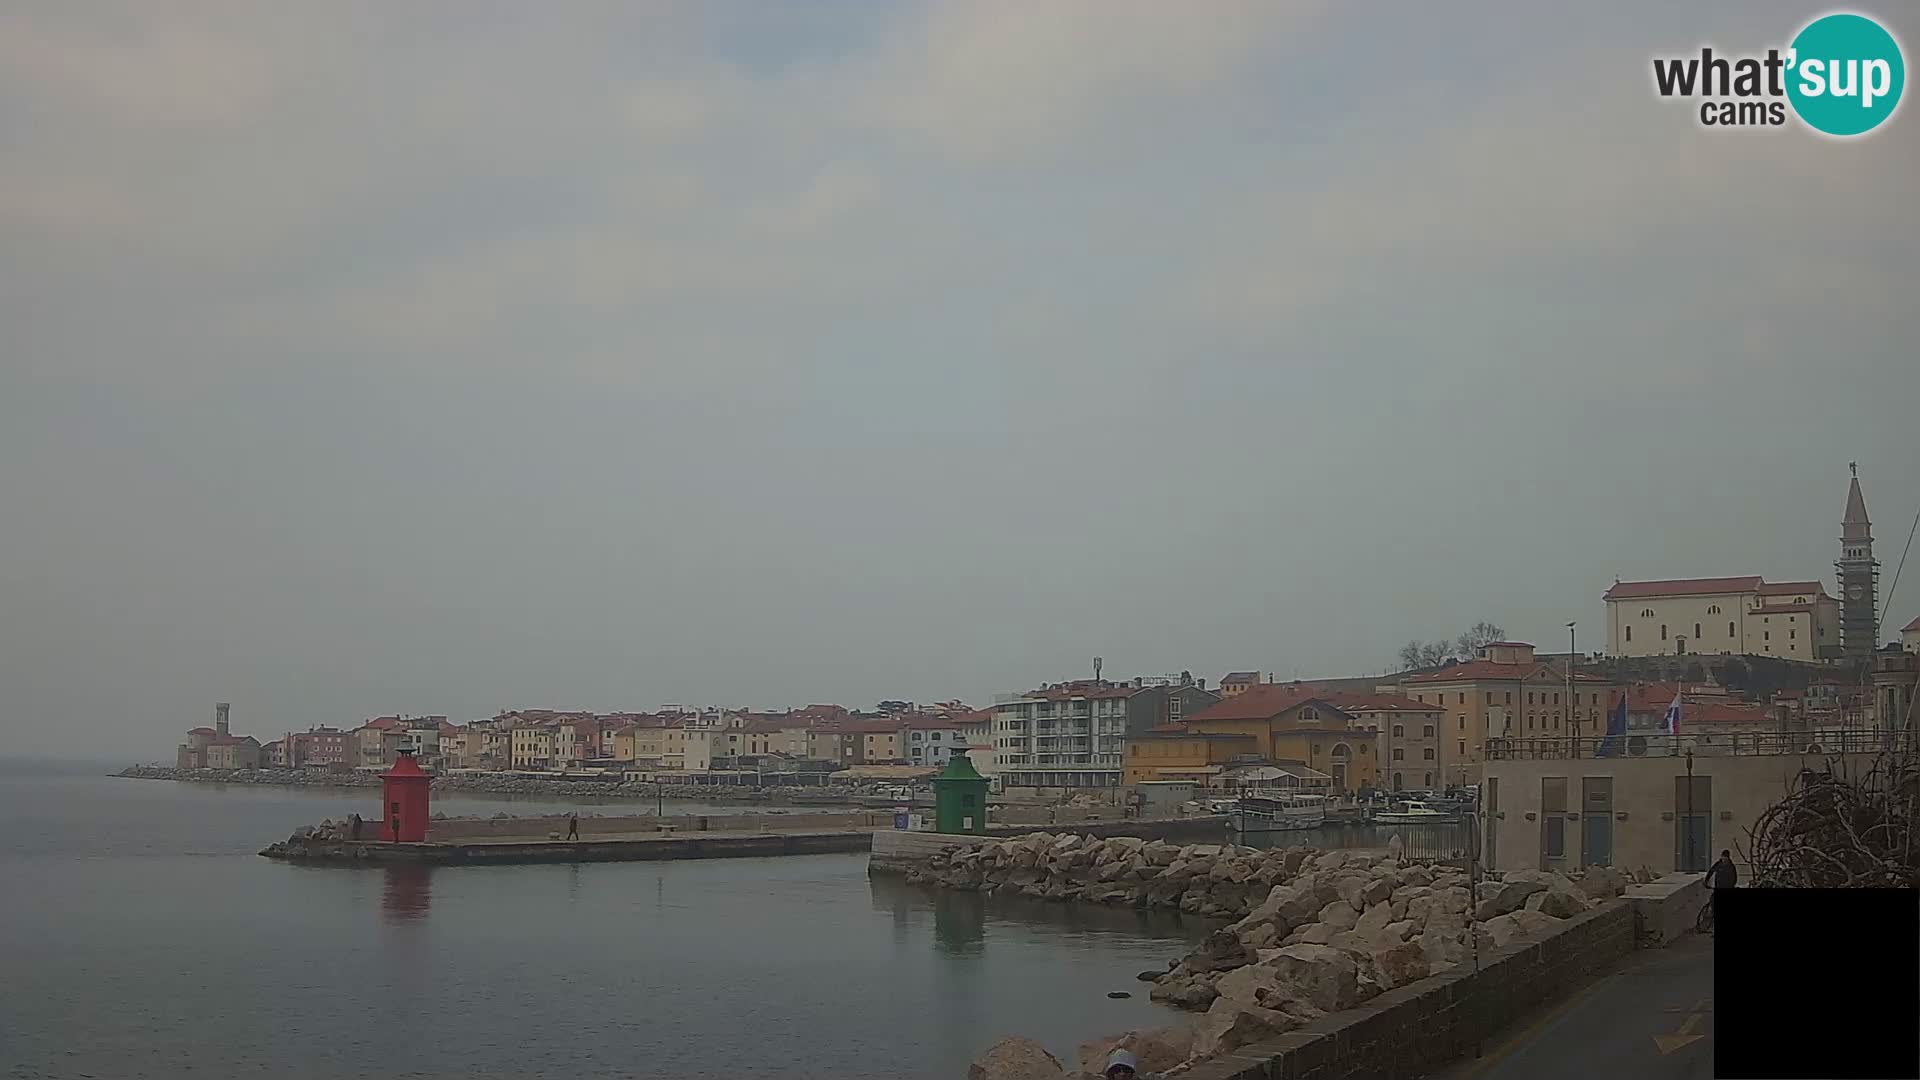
(1121, 1066)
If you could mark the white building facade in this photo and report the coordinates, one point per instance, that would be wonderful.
(1068, 735)
(1748, 616)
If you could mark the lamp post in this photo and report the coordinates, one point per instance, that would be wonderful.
(1686, 825)
(1573, 725)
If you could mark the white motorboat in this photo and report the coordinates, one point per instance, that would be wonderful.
(1279, 813)
(1415, 812)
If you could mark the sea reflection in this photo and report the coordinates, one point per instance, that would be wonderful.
(961, 919)
(408, 893)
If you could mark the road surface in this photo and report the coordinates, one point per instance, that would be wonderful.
(1649, 1018)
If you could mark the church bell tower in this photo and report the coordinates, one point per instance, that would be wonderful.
(1859, 575)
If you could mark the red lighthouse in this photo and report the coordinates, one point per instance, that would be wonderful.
(404, 790)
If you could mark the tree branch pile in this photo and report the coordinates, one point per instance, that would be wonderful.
(1840, 831)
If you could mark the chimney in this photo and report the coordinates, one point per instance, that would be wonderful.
(220, 710)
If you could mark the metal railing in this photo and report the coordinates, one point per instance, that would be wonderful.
(1819, 742)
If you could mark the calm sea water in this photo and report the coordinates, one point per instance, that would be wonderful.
(141, 936)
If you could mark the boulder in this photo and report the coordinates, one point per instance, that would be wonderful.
(1558, 903)
(1444, 948)
(1156, 1050)
(1231, 1024)
(1332, 860)
(1015, 1058)
(1185, 991)
(1352, 889)
(1317, 933)
(1400, 964)
(1502, 930)
(1602, 883)
(1399, 931)
(1416, 877)
(1373, 921)
(1293, 859)
(1218, 951)
(1509, 896)
(1259, 936)
(1339, 915)
(1376, 891)
(1324, 976)
(1454, 898)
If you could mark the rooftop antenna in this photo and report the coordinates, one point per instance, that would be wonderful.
(1097, 662)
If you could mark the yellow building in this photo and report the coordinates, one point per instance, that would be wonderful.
(1183, 755)
(1505, 692)
(532, 747)
(1291, 722)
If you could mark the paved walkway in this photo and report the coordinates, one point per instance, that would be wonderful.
(1650, 1018)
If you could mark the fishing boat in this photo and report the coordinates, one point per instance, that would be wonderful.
(1415, 812)
(1279, 813)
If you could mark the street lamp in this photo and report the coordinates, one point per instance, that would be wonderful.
(1573, 725)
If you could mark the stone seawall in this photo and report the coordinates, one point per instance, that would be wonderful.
(1414, 1029)
(708, 846)
(1316, 933)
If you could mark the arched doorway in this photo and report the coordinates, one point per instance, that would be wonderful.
(1342, 755)
(1399, 782)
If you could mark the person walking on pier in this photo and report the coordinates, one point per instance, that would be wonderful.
(573, 826)
(1721, 875)
(353, 827)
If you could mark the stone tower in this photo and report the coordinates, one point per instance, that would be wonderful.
(1859, 575)
(220, 711)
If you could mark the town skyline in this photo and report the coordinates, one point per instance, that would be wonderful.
(781, 357)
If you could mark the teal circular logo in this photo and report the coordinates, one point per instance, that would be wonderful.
(1845, 74)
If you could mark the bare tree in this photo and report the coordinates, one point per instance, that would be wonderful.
(1419, 654)
(1477, 637)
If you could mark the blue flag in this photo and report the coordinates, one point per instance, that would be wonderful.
(1616, 730)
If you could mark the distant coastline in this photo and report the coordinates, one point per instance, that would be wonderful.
(482, 783)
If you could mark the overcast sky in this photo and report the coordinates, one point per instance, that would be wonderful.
(447, 357)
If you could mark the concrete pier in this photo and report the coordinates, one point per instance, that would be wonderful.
(640, 848)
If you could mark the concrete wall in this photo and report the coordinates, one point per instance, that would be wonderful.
(693, 846)
(1645, 805)
(456, 829)
(1417, 1028)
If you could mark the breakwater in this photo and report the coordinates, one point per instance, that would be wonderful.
(630, 849)
(490, 784)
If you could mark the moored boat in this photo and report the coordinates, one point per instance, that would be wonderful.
(1279, 813)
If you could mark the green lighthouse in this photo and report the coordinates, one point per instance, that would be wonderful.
(960, 798)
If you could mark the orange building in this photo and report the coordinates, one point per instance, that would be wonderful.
(1172, 753)
(1295, 723)
(1506, 693)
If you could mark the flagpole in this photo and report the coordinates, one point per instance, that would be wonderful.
(1573, 724)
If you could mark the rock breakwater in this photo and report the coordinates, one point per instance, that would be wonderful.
(1313, 932)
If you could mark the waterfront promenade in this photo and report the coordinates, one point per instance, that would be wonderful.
(1650, 1017)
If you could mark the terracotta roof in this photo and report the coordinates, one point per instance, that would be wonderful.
(1348, 702)
(1508, 645)
(1260, 702)
(1491, 671)
(1720, 712)
(1240, 677)
(929, 723)
(1911, 627)
(1180, 731)
(201, 731)
(1069, 691)
(1792, 588)
(1625, 590)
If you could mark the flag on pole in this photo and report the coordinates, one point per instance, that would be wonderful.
(1616, 729)
(1673, 715)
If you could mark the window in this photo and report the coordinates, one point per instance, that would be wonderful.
(1428, 753)
(1490, 698)
(1308, 714)
(1429, 782)
(1529, 697)
(1729, 629)
(1556, 699)
(1792, 635)
(1399, 730)
(1766, 635)
(1427, 731)
(1696, 631)
(1629, 633)
(1714, 609)
(1646, 613)
(1399, 754)
(1463, 698)
(1463, 723)
(1463, 748)
(1663, 631)
(1509, 697)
